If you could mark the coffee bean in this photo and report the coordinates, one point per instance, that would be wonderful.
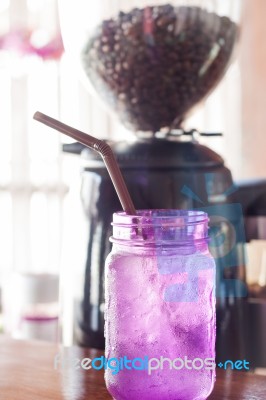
(153, 65)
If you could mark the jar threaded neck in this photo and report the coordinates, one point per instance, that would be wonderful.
(158, 227)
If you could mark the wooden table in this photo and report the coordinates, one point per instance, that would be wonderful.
(27, 373)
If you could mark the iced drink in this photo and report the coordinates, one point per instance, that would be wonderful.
(160, 307)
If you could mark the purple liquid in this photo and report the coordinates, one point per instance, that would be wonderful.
(148, 316)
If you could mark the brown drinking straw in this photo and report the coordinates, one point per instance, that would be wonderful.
(103, 149)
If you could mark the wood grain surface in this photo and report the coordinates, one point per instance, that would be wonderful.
(27, 372)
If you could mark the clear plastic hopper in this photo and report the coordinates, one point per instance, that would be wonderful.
(151, 61)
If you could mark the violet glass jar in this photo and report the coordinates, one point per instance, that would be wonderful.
(160, 307)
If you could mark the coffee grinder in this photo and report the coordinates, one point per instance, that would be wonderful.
(152, 62)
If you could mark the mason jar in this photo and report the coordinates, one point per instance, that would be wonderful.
(160, 307)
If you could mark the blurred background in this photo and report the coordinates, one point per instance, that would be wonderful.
(42, 224)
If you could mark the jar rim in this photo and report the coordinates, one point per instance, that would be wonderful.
(160, 226)
(170, 217)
